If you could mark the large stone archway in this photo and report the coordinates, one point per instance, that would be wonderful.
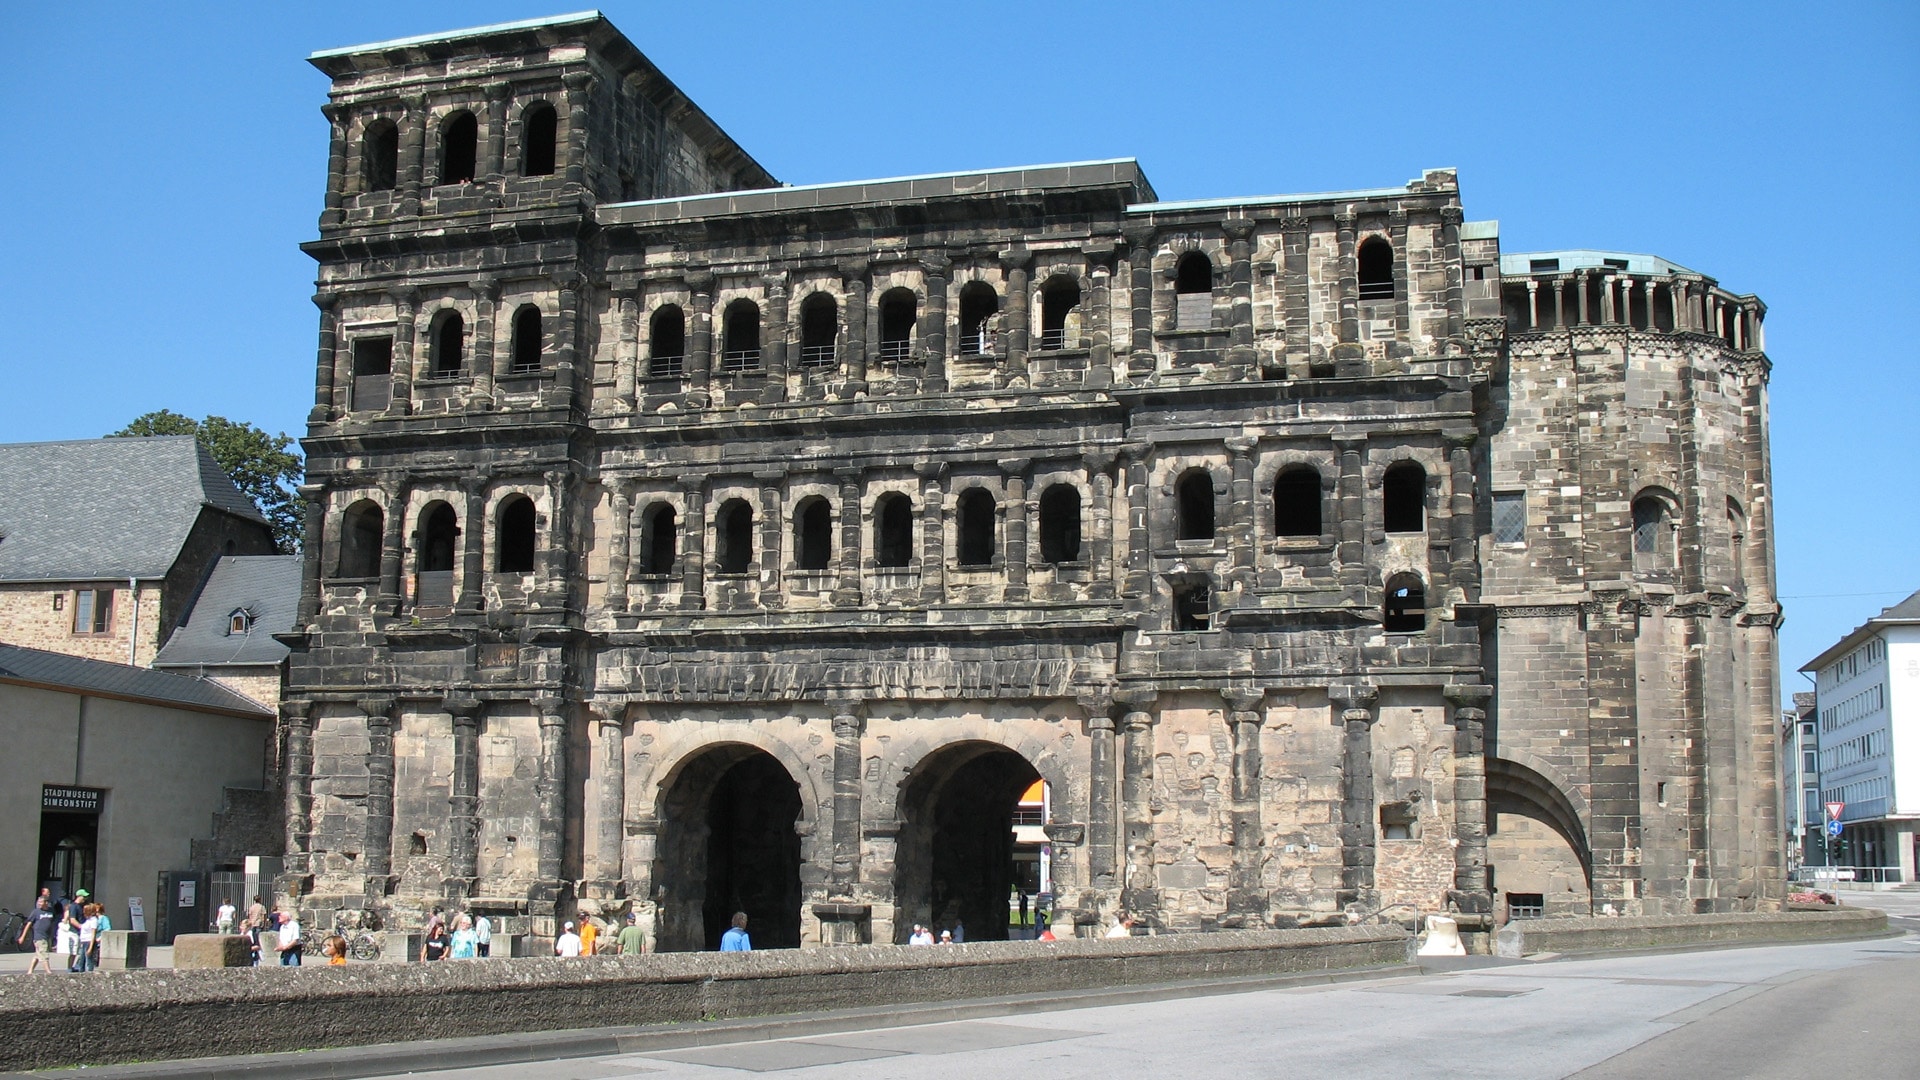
(954, 859)
(1536, 845)
(728, 843)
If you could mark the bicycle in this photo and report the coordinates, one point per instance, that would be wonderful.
(361, 946)
(12, 923)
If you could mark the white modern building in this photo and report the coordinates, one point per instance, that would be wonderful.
(1867, 706)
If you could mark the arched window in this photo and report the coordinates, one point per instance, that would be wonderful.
(812, 534)
(360, 538)
(974, 527)
(1059, 299)
(526, 339)
(1060, 524)
(433, 556)
(1652, 534)
(978, 304)
(1403, 498)
(1193, 292)
(1296, 502)
(1195, 498)
(1376, 269)
(666, 341)
(459, 142)
(898, 310)
(449, 343)
(819, 326)
(740, 344)
(1406, 608)
(893, 530)
(733, 537)
(513, 537)
(539, 140)
(380, 156)
(659, 538)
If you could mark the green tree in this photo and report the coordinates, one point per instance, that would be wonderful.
(262, 466)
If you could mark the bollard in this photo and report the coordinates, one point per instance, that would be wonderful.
(1443, 938)
(211, 951)
(123, 950)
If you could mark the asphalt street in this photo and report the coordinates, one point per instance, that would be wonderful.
(1780, 1011)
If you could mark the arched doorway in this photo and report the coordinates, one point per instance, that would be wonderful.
(1537, 856)
(727, 844)
(955, 859)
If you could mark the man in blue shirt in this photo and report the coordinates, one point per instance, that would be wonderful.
(735, 939)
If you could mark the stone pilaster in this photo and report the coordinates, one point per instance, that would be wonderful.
(848, 725)
(405, 302)
(296, 718)
(1102, 811)
(610, 788)
(693, 549)
(473, 532)
(933, 558)
(1140, 893)
(1355, 710)
(377, 858)
(1014, 513)
(933, 328)
(463, 809)
(327, 359)
(550, 795)
(1470, 811)
(846, 590)
(1246, 898)
(619, 534)
(392, 549)
(487, 366)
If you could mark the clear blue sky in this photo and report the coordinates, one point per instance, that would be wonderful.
(162, 162)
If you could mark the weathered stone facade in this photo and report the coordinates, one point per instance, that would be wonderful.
(749, 547)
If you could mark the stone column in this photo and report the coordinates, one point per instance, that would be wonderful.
(1240, 511)
(1139, 893)
(1100, 802)
(1100, 584)
(933, 547)
(404, 301)
(550, 791)
(1469, 704)
(377, 862)
(1450, 219)
(1533, 304)
(393, 549)
(611, 785)
(693, 549)
(1350, 526)
(1463, 559)
(313, 518)
(1354, 707)
(844, 877)
(933, 327)
(854, 278)
(413, 148)
(1014, 513)
(1139, 583)
(337, 120)
(1402, 275)
(626, 375)
(1580, 279)
(296, 717)
(1297, 301)
(1246, 897)
(326, 361)
(700, 341)
(768, 552)
(1140, 284)
(463, 817)
(1240, 290)
(619, 531)
(579, 85)
(1100, 318)
(496, 163)
(779, 319)
(1606, 300)
(488, 366)
(1018, 302)
(846, 590)
(1348, 290)
(473, 532)
(551, 557)
(567, 380)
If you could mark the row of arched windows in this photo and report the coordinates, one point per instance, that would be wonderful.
(458, 156)
(447, 343)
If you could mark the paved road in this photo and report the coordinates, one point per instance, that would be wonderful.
(1782, 1011)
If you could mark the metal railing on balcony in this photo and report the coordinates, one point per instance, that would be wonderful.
(1029, 815)
(1376, 290)
(1053, 339)
(666, 367)
(895, 352)
(817, 356)
(740, 359)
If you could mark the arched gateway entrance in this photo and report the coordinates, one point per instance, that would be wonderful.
(727, 844)
(956, 851)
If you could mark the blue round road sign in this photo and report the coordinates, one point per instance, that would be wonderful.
(1833, 828)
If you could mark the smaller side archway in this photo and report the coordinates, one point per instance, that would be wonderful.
(1538, 857)
(728, 843)
(955, 857)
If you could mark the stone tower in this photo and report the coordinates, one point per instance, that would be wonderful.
(916, 550)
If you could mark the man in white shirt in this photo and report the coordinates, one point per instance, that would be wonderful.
(483, 936)
(568, 943)
(290, 940)
(1123, 928)
(223, 919)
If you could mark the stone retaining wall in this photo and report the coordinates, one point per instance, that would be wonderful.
(159, 1014)
(1533, 936)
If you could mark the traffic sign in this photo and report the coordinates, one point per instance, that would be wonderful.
(1834, 829)
(1834, 808)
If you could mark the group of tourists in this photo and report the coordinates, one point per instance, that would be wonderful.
(459, 937)
(587, 938)
(70, 929)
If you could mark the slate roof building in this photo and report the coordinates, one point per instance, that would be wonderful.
(125, 770)
(228, 633)
(105, 542)
(689, 543)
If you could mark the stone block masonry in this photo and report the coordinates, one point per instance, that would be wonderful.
(942, 549)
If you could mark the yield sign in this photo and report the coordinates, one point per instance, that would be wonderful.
(1834, 808)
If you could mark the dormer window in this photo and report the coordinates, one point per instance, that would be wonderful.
(239, 621)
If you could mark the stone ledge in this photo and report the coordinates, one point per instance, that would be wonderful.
(1601, 934)
(159, 1015)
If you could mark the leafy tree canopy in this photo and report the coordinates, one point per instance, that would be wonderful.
(260, 464)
